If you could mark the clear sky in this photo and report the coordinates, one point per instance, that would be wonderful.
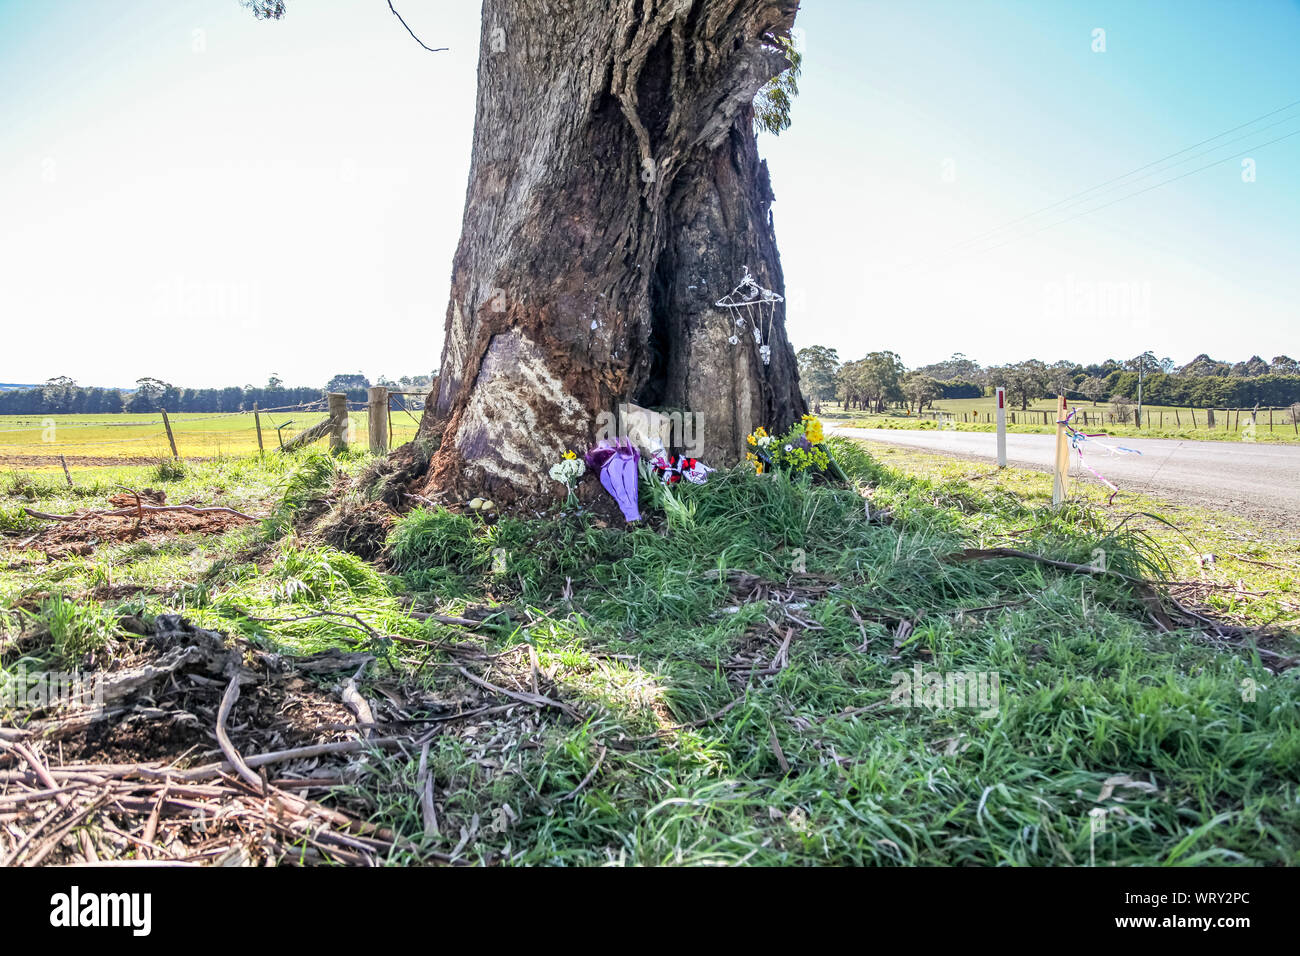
(189, 193)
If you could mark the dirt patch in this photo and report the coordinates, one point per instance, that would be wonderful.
(84, 535)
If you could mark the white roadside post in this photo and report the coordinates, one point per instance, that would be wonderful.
(1002, 428)
(1061, 479)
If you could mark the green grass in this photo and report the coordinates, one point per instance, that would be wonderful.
(88, 439)
(1159, 421)
(701, 762)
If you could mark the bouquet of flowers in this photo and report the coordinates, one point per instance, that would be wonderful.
(567, 471)
(800, 451)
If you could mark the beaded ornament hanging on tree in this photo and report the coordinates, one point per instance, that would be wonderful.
(752, 306)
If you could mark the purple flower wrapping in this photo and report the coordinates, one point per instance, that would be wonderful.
(617, 464)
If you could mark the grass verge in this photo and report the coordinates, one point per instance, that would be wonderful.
(766, 674)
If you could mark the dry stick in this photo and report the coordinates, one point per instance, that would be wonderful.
(285, 801)
(151, 827)
(36, 796)
(782, 658)
(62, 799)
(358, 704)
(536, 700)
(66, 474)
(223, 739)
(49, 845)
(444, 619)
(600, 759)
(424, 787)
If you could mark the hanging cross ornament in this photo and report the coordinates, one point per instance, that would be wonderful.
(750, 303)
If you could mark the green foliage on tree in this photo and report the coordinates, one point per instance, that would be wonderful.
(773, 103)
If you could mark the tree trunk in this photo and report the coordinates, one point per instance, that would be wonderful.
(615, 194)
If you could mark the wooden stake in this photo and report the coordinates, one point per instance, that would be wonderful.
(171, 439)
(338, 406)
(257, 420)
(377, 397)
(66, 473)
(1060, 483)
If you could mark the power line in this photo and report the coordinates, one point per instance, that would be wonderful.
(1139, 169)
(1174, 179)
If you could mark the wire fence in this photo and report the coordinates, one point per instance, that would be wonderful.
(1276, 419)
(80, 438)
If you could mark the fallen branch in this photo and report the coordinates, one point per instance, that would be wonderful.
(304, 438)
(1146, 592)
(535, 700)
(600, 759)
(137, 512)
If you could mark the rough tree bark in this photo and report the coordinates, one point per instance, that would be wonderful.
(615, 194)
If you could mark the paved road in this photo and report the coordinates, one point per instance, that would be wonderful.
(1255, 479)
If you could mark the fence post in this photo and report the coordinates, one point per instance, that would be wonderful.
(1060, 481)
(171, 439)
(338, 406)
(66, 474)
(257, 420)
(377, 397)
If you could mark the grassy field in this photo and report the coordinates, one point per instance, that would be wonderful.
(1159, 421)
(728, 672)
(103, 438)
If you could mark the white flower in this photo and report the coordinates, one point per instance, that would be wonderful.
(568, 471)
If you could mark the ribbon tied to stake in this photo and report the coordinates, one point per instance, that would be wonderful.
(1077, 441)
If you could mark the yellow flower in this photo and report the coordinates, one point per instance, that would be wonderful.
(752, 440)
(813, 430)
(570, 455)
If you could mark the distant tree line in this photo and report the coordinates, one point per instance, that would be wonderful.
(880, 379)
(62, 395)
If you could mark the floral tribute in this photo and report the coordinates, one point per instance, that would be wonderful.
(671, 469)
(567, 471)
(616, 464)
(800, 451)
